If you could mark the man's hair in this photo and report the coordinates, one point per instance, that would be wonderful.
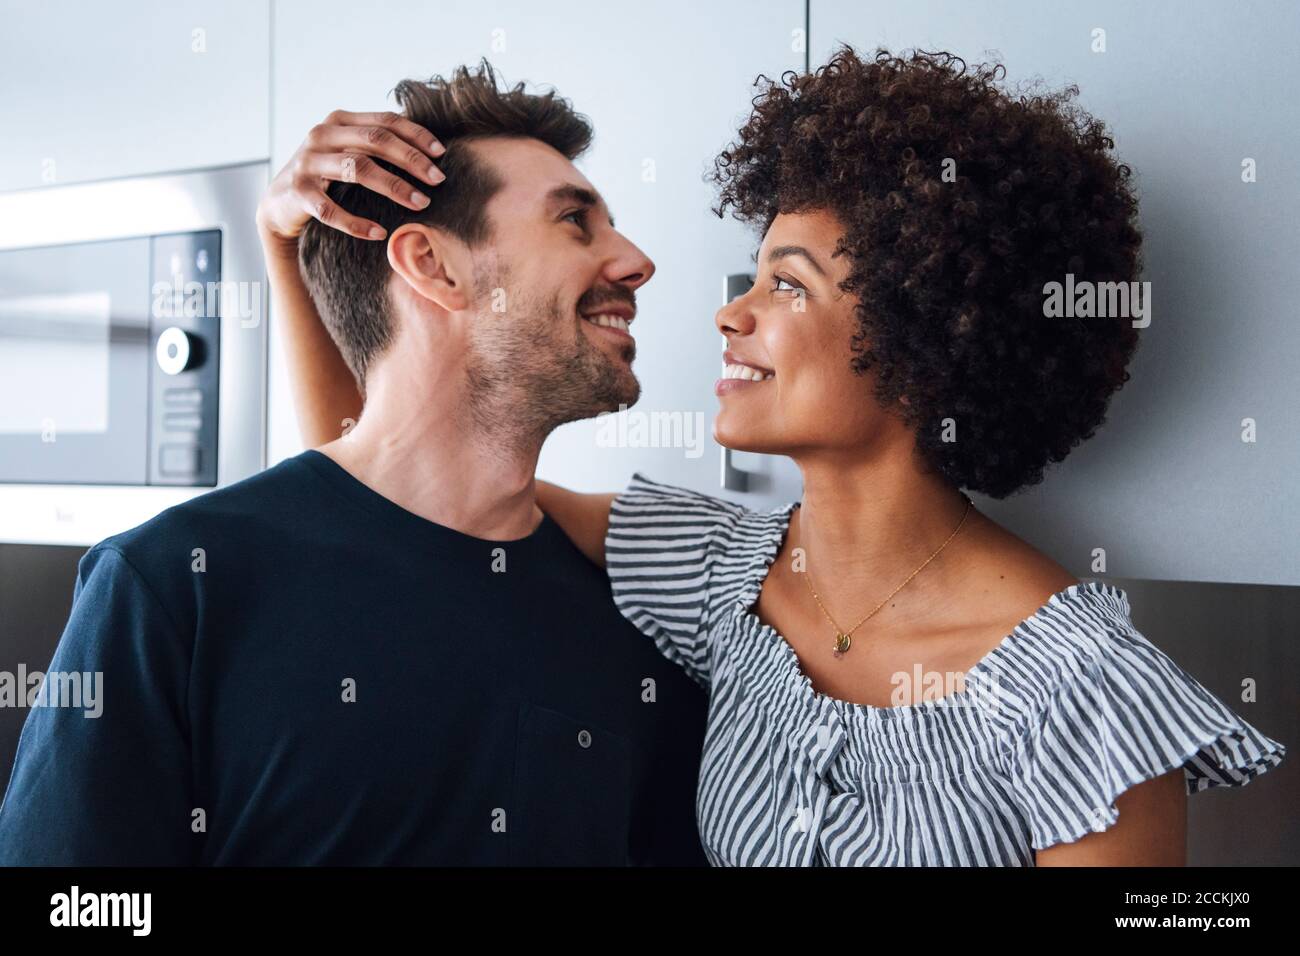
(348, 277)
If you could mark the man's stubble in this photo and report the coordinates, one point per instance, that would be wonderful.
(532, 370)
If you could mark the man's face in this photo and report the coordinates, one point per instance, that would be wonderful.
(555, 291)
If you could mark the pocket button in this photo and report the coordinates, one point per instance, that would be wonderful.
(584, 739)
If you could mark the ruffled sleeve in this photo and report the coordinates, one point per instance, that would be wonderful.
(1120, 713)
(660, 548)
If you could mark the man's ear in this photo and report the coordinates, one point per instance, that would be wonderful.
(432, 263)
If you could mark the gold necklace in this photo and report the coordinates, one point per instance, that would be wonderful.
(843, 639)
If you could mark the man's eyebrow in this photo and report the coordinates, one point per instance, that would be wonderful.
(569, 193)
(780, 252)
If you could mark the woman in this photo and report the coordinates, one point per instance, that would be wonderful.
(895, 679)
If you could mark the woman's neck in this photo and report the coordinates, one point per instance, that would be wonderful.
(866, 523)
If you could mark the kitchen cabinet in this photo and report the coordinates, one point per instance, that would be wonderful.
(104, 90)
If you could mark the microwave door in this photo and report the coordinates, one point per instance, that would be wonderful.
(74, 363)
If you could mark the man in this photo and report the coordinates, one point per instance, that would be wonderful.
(381, 652)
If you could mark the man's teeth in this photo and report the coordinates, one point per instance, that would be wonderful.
(608, 321)
(746, 373)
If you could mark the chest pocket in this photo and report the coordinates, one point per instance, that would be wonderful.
(572, 793)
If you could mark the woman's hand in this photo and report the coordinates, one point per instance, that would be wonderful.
(343, 149)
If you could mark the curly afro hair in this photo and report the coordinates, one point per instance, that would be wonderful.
(960, 202)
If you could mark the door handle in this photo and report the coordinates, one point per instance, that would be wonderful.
(733, 478)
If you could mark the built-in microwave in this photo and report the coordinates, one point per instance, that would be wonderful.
(132, 349)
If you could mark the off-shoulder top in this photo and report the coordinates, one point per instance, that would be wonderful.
(1071, 709)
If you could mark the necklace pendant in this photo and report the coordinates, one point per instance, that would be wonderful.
(842, 642)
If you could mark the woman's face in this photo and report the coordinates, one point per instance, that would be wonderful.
(794, 328)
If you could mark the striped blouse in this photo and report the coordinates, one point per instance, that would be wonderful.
(1066, 713)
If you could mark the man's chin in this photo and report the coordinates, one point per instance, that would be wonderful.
(622, 388)
(617, 401)
(603, 397)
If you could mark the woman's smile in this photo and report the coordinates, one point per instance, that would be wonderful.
(736, 374)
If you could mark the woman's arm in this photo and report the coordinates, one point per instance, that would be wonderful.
(325, 394)
(1151, 830)
(340, 149)
(584, 518)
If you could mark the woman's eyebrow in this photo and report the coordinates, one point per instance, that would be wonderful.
(781, 252)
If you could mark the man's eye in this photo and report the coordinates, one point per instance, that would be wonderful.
(782, 284)
(578, 217)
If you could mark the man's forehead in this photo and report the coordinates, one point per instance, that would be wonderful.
(536, 174)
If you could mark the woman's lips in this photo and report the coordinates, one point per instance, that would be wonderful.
(725, 386)
(737, 372)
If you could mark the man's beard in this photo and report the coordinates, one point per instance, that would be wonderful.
(531, 370)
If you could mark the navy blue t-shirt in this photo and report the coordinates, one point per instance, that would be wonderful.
(296, 670)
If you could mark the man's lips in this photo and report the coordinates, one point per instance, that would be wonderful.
(620, 336)
(623, 310)
(612, 333)
(613, 319)
(612, 326)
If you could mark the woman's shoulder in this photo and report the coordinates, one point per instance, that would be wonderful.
(1080, 667)
(1086, 707)
(674, 555)
(1007, 579)
(643, 487)
(1081, 630)
(656, 516)
(651, 497)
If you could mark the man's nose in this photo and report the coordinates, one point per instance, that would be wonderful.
(629, 266)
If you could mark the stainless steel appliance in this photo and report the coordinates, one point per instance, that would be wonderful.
(132, 349)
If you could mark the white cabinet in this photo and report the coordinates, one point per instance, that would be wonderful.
(1191, 90)
(665, 85)
(92, 90)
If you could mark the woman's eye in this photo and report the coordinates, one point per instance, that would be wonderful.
(781, 284)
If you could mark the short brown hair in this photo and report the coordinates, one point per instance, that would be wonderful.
(348, 277)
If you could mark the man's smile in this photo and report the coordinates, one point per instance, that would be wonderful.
(611, 322)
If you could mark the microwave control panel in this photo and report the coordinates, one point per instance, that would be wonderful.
(185, 355)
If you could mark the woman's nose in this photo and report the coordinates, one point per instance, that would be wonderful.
(735, 317)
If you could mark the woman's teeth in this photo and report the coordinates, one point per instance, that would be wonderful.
(746, 373)
(607, 321)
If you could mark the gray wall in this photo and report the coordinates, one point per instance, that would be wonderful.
(1189, 89)
(104, 90)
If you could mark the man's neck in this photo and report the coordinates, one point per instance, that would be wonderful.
(440, 466)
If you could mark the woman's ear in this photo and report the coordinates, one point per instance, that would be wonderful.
(432, 264)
